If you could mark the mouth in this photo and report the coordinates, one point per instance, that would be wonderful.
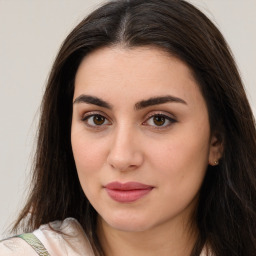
(127, 192)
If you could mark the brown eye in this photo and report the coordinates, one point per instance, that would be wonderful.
(159, 120)
(98, 119)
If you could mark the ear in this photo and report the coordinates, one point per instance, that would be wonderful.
(216, 149)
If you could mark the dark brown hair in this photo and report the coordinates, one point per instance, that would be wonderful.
(226, 213)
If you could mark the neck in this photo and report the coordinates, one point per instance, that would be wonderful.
(175, 239)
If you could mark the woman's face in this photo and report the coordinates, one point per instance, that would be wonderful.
(140, 137)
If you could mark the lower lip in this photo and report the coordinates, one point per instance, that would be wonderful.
(127, 196)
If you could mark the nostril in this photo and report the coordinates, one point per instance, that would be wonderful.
(125, 153)
(125, 162)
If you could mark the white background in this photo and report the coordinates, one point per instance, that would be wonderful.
(30, 35)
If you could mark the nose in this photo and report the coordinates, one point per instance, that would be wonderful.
(125, 151)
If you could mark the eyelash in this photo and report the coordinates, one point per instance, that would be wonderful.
(87, 117)
(165, 118)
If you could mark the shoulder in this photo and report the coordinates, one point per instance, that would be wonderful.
(64, 238)
(16, 246)
(59, 238)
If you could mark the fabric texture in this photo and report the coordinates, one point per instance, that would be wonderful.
(35, 243)
(59, 238)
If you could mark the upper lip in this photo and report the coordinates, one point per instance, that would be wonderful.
(127, 186)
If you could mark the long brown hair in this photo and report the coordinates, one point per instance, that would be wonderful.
(226, 213)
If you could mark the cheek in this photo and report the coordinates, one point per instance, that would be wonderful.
(85, 155)
(88, 164)
(179, 153)
(89, 159)
(181, 163)
(180, 173)
(86, 149)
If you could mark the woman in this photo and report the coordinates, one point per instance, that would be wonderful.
(146, 140)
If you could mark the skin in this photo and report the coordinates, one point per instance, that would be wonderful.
(131, 146)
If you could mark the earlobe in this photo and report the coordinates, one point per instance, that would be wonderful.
(216, 150)
(216, 162)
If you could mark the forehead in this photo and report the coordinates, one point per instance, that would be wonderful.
(134, 72)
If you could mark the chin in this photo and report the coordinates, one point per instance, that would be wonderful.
(127, 224)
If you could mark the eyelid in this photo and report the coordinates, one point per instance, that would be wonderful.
(161, 113)
(90, 114)
(171, 118)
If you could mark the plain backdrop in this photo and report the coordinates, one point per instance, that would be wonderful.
(30, 35)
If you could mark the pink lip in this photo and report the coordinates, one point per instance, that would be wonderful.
(127, 192)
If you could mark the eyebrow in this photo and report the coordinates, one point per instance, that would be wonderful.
(92, 100)
(157, 101)
(139, 105)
